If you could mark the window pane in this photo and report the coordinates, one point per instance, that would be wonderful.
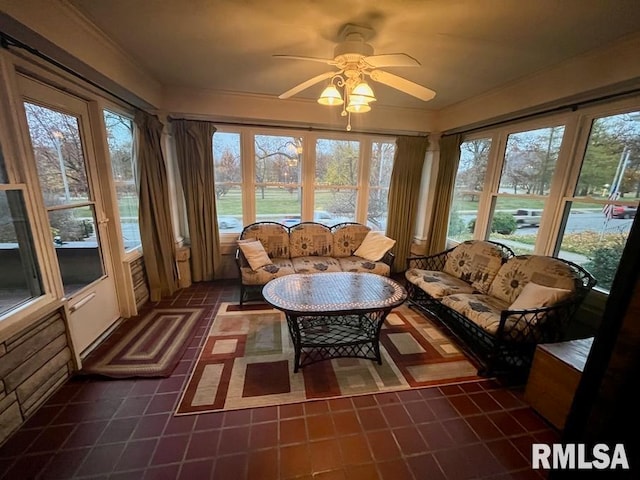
(595, 234)
(472, 168)
(515, 222)
(382, 154)
(278, 204)
(336, 166)
(339, 204)
(120, 140)
(57, 148)
(278, 162)
(594, 241)
(227, 169)
(19, 276)
(530, 161)
(611, 165)
(337, 162)
(76, 246)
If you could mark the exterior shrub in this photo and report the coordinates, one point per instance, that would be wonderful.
(456, 225)
(603, 263)
(502, 222)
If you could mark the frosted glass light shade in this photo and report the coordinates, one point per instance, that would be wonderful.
(330, 96)
(364, 90)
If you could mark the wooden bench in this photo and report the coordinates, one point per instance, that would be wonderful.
(554, 377)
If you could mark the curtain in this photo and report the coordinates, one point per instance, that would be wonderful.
(404, 189)
(447, 169)
(194, 148)
(156, 230)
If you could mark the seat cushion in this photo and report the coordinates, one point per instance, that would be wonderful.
(315, 264)
(485, 311)
(278, 268)
(273, 236)
(347, 238)
(359, 264)
(520, 270)
(481, 309)
(475, 261)
(437, 284)
(310, 239)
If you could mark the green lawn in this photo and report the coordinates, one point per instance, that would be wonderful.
(276, 201)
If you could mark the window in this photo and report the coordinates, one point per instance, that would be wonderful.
(20, 279)
(574, 197)
(336, 179)
(290, 176)
(380, 168)
(601, 208)
(527, 171)
(227, 170)
(60, 162)
(120, 140)
(278, 162)
(472, 169)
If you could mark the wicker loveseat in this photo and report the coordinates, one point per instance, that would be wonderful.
(479, 290)
(308, 247)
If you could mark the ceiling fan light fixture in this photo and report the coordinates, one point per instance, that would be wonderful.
(363, 90)
(330, 96)
(356, 107)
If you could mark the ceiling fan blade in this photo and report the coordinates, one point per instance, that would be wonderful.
(402, 84)
(307, 84)
(391, 60)
(328, 61)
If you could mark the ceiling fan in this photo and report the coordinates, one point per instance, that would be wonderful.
(355, 61)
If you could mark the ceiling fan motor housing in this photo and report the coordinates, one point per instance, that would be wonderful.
(355, 48)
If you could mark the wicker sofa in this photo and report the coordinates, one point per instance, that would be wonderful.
(308, 247)
(479, 291)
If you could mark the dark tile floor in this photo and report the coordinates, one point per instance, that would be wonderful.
(125, 429)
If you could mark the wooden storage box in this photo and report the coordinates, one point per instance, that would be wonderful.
(554, 377)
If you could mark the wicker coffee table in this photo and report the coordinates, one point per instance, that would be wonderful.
(333, 315)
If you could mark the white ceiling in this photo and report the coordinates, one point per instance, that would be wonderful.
(466, 47)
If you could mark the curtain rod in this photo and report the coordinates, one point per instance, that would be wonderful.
(543, 113)
(294, 127)
(7, 41)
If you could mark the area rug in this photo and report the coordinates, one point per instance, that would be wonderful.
(150, 346)
(247, 362)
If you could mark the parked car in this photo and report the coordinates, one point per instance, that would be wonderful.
(226, 222)
(528, 217)
(319, 216)
(623, 211)
(290, 220)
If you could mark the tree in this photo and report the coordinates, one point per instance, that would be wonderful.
(379, 179)
(227, 171)
(275, 155)
(472, 168)
(339, 169)
(530, 159)
(57, 147)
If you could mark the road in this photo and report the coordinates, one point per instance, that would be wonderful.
(578, 222)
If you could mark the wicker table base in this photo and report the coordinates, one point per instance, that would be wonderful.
(333, 315)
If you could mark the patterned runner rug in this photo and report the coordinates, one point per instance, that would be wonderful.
(150, 346)
(247, 361)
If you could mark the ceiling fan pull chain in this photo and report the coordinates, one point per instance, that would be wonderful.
(349, 122)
